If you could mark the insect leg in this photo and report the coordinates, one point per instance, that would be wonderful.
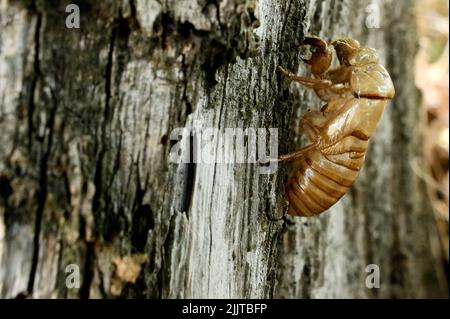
(313, 134)
(308, 82)
(300, 152)
(310, 129)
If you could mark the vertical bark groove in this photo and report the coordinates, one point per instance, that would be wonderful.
(42, 193)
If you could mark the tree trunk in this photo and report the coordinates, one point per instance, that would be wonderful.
(87, 116)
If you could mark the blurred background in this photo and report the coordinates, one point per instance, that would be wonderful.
(432, 78)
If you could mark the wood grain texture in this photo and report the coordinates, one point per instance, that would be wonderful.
(86, 116)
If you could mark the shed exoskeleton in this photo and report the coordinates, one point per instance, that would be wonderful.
(355, 93)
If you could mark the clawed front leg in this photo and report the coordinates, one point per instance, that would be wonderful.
(309, 82)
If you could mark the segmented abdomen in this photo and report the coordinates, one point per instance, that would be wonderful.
(324, 176)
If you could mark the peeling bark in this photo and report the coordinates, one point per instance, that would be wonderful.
(86, 117)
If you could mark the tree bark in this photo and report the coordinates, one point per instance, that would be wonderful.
(86, 117)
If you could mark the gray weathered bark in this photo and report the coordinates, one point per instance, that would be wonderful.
(86, 116)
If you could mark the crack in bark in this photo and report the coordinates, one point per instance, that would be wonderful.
(222, 27)
(166, 247)
(142, 219)
(98, 177)
(42, 194)
(88, 273)
(37, 72)
(191, 167)
(189, 183)
(133, 13)
(43, 191)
